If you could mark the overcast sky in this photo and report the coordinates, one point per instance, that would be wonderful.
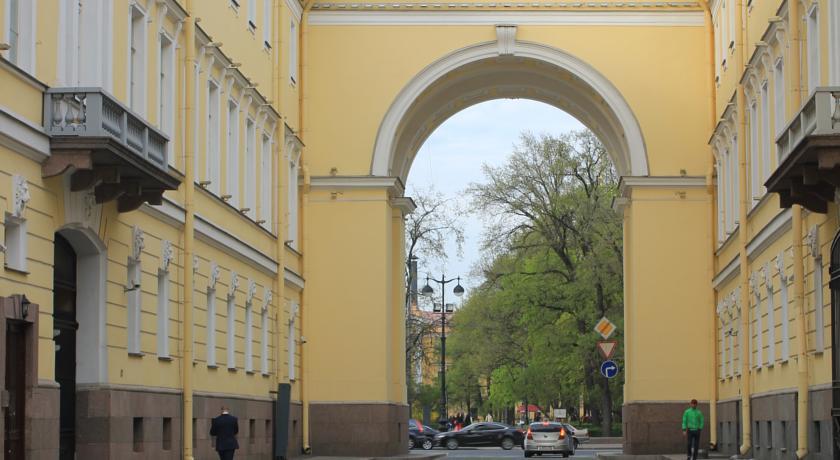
(452, 156)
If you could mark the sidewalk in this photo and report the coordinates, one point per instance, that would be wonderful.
(432, 455)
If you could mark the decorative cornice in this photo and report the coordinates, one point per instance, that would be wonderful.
(393, 184)
(22, 136)
(292, 279)
(295, 9)
(20, 192)
(338, 14)
(629, 5)
(627, 183)
(404, 204)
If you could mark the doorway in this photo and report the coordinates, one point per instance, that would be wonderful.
(65, 325)
(15, 413)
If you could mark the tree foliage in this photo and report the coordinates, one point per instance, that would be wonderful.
(554, 268)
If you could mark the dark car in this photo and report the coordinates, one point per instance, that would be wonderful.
(420, 435)
(481, 434)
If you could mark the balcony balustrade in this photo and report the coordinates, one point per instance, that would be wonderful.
(809, 154)
(107, 147)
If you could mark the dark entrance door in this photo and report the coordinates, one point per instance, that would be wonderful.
(834, 284)
(15, 384)
(64, 317)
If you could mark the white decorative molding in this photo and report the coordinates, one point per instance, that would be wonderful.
(754, 282)
(346, 15)
(731, 270)
(812, 240)
(196, 262)
(138, 242)
(768, 235)
(268, 295)
(404, 204)
(780, 269)
(295, 9)
(292, 279)
(20, 194)
(252, 291)
(22, 136)
(215, 274)
(506, 37)
(234, 284)
(393, 184)
(166, 255)
(293, 312)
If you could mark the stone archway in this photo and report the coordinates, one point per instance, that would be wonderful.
(507, 69)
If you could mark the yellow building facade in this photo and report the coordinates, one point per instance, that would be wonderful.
(204, 200)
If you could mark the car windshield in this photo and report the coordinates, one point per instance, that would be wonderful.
(471, 427)
(545, 427)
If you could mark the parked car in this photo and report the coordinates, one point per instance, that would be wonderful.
(549, 438)
(420, 435)
(580, 435)
(481, 434)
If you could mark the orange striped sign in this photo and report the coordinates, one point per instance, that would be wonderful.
(605, 327)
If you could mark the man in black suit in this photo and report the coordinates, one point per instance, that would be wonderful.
(225, 428)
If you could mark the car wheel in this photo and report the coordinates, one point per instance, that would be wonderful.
(576, 443)
(565, 455)
(528, 454)
(427, 444)
(451, 443)
(410, 443)
(507, 443)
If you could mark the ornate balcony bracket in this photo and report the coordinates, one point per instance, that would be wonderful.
(809, 154)
(106, 147)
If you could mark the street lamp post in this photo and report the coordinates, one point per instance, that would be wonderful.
(429, 291)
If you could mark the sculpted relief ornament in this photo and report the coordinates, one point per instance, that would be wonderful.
(234, 284)
(166, 255)
(138, 243)
(215, 273)
(267, 297)
(20, 194)
(252, 291)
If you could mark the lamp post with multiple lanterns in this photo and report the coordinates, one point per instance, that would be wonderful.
(428, 291)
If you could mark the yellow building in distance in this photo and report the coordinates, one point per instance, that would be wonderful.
(203, 205)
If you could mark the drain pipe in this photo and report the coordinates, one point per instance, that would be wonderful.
(710, 189)
(189, 233)
(798, 260)
(746, 412)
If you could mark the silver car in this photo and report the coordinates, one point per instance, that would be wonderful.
(549, 438)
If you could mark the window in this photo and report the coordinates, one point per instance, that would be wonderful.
(293, 204)
(834, 55)
(213, 127)
(779, 96)
(813, 48)
(264, 339)
(19, 33)
(250, 208)
(720, 199)
(765, 131)
(816, 435)
(133, 292)
(293, 51)
(249, 336)
(267, 23)
(166, 92)
(783, 296)
(211, 327)
(266, 184)
(724, 31)
(252, 15)
(769, 434)
(137, 434)
(15, 242)
(233, 153)
(13, 30)
(730, 43)
(163, 314)
(736, 182)
(292, 341)
(759, 330)
(819, 319)
(755, 155)
(771, 320)
(231, 330)
(722, 346)
(167, 433)
(137, 60)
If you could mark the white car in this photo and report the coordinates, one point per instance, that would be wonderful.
(549, 438)
(581, 436)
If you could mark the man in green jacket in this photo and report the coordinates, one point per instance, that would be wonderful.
(692, 424)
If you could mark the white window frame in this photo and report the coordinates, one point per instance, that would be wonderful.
(293, 51)
(134, 303)
(231, 330)
(292, 336)
(266, 183)
(784, 301)
(721, 211)
(249, 335)
(765, 131)
(834, 42)
(163, 313)
(137, 63)
(730, 43)
(813, 31)
(22, 50)
(251, 167)
(211, 326)
(723, 361)
(267, 24)
(233, 153)
(252, 15)
(755, 154)
(759, 334)
(736, 183)
(293, 204)
(213, 126)
(15, 241)
(166, 91)
(264, 324)
(779, 97)
(771, 318)
(819, 316)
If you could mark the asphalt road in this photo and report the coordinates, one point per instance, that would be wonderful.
(478, 453)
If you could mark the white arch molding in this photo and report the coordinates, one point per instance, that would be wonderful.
(532, 71)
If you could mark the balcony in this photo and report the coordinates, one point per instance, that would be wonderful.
(809, 154)
(105, 147)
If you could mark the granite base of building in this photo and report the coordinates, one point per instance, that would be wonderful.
(358, 430)
(774, 424)
(655, 428)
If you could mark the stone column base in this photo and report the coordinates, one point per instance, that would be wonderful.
(656, 427)
(358, 429)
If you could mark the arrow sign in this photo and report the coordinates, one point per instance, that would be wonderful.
(607, 348)
(609, 369)
(605, 327)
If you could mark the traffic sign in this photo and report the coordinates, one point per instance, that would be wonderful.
(607, 347)
(609, 369)
(605, 327)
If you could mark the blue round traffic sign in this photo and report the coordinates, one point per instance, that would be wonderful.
(609, 369)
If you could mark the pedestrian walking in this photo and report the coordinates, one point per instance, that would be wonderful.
(467, 419)
(225, 427)
(692, 425)
(489, 418)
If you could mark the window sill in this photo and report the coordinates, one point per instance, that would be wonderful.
(266, 374)
(164, 358)
(232, 369)
(19, 271)
(212, 366)
(136, 354)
